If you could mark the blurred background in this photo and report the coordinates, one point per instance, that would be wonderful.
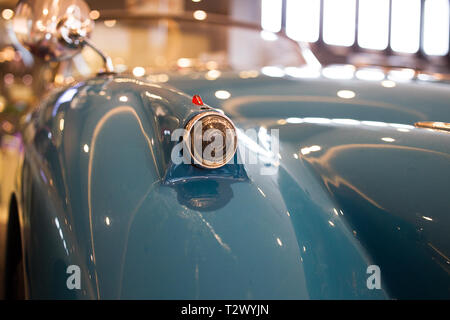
(408, 34)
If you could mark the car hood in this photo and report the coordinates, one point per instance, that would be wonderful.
(353, 184)
(387, 179)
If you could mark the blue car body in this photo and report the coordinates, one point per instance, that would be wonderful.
(354, 184)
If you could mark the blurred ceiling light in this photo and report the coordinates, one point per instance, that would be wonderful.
(7, 126)
(373, 24)
(200, 15)
(123, 98)
(213, 74)
(196, 0)
(184, 62)
(94, 14)
(271, 15)
(339, 22)
(388, 139)
(268, 36)
(272, 71)
(138, 71)
(302, 20)
(401, 74)
(371, 74)
(86, 148)
(405, 29)
(346, 94)
(339, 71)
(302, 72)
(222, 94)
(110, 23)
(7, 14)
(426, 77)
(388, 83)
(435, 29)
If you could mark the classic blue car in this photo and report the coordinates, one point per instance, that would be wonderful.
(335, 187)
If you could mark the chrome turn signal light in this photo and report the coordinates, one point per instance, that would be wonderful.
(211, 139)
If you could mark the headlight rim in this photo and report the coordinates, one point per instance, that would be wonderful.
(187, 140)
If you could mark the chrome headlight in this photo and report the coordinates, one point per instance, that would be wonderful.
(211, 139)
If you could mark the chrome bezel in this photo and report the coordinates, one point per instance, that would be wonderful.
(187, 141)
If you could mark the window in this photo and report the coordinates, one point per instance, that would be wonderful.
(271, 15)
(339, 22)
(436, 27)
(373, 24)
(303, 19)
(405, 32)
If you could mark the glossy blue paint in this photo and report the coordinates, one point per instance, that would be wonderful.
(97, 190)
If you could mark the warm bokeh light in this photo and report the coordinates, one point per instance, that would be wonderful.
(370, 74)
(273, 71)
(94, 14)
(200, 15)
(138, 71)
(184, 62)
(7, 14)
(110, 23)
